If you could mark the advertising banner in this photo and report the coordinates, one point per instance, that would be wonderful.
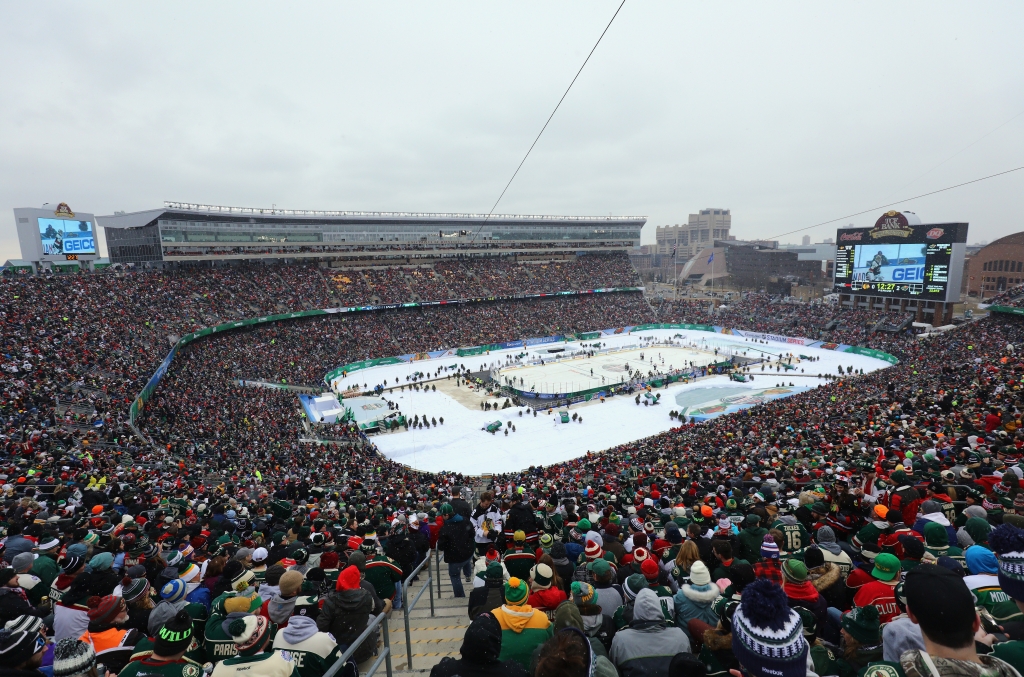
(871, 352)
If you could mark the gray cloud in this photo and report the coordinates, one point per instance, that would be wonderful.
(787, 113)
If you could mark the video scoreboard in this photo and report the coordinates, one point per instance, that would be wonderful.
(899, 259)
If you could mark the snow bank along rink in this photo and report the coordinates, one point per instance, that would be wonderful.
(461, 445)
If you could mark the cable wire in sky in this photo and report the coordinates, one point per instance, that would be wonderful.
(889, 204)
(495, 206)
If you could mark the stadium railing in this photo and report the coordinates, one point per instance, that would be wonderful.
(408, 606)
(385, 652)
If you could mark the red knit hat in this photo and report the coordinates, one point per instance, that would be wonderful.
(103, 610)
(328, 560)
(649, 568)
(348, 579)
(593, 550)
(640, 555)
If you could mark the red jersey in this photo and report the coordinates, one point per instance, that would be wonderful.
(880, 594)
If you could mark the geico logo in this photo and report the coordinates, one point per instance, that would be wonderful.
(78, 244)
(908, 274)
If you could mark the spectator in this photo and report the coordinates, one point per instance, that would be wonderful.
(522, 627)
(942, 605)
(647, 645)
(481, 653)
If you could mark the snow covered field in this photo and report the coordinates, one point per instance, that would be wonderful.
(460, 443)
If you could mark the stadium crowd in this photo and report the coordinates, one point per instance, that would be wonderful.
(870, 526)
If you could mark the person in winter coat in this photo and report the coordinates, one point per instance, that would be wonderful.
(13, 601)
(826, 541)
(609, 593)
(315, 651)
(562, 565)
(801, 592)
(647, 645)
(569, 654)
(750, 539)
(481, 565)
(546, 591)
(457, 544)
(596, 625)
(492, 595)
(521, 518)
(346, 613)
(826, 578)
(862, 639)
(932, 513)
(480, 653)
(522, 627)
(280, 607)
(695, 599)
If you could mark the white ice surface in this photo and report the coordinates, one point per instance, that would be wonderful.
(461, 445)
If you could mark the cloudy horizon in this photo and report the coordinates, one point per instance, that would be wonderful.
(788, 114)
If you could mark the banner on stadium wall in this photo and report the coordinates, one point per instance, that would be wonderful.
(672, 325)
(1009, 310)
(364, 364)
(792, 340)
(871, 352)
(509, 344)
(588, 336)
(542, 340)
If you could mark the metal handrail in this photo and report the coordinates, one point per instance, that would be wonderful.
(437, 567)
(385, 654)
(407, 607)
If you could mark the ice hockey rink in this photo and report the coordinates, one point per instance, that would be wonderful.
(573, 374)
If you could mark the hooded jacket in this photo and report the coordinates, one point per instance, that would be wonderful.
(314, 651)
(694, 601)
(938, 518)
(481, 650)
(828, 581)
(279, 609)
(522, 629)
(345, 615)
(647, 645)
(487, 598)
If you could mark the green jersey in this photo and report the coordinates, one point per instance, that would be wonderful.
(794, 536)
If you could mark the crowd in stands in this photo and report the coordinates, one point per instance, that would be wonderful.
(1013, 297)
(872, 525)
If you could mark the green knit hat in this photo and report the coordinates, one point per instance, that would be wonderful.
(516, 592)
(794, 571)
(583, 526)
(862, 623)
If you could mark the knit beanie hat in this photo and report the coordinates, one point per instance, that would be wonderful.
(558, 550)
(1008, 543)
(699, 574)
(72, 657)
(101, 562)
(72, 563)
(519, 536)
(173, 591)
(248, 633)
(516, 592)
(243, 580)
(290, 583)
(175, 635)
(769, 549)
(633, 585)
(133, 588)
(826, 535)
(546, 541)
(103, 610)
(541, 575)
(494, 572)
(767, 636)
(583, 526)
(18, 647)
(814, 557)
(25, 624)
(649, 568)
(862, 623)
(348, 579)
(794, 571)
(583, 593)
(593, 550)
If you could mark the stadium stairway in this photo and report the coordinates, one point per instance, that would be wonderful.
(433, 637)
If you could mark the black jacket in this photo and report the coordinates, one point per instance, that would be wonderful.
(457, 539)
(345, 614)
(13, 605)
(480, 650)
(521, 517)
(487, 598)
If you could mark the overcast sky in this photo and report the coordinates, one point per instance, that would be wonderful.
(787, 113)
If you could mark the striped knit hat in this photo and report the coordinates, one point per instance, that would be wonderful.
(769, 549)
(767, 636)
(173, 591)
(516, 592)
(72, 657)
(593, 550)
(541, 575)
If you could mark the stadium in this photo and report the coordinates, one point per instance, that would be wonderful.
(341, 388)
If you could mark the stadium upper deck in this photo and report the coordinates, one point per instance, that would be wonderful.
(190, 232)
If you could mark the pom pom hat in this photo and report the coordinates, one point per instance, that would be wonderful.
(516, 592)
(248, 633)
(767, 636)
(1008, 543)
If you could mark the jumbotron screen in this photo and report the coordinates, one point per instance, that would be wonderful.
(900, 259)
(63, 237)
